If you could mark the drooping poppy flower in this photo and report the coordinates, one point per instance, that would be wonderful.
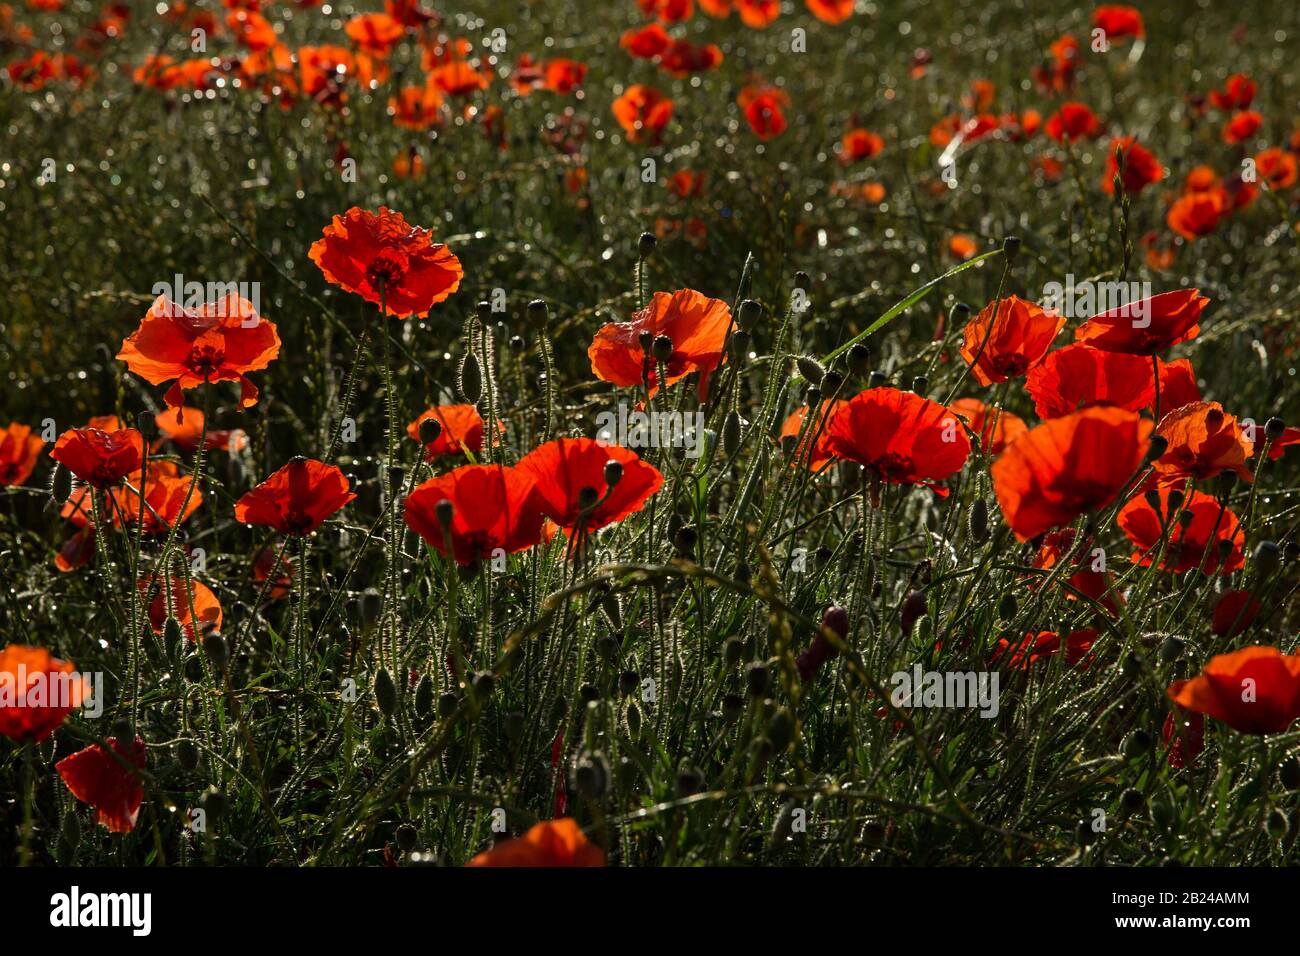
(695, 324)
(1277, 167)
(643, 112)
(1203, 441)
(817, 456)
(1290, 438)
(37, 691)
(764, 108)
(297, 498)
(563, 75)
(1234, 612)
(416, 107)
(1241, 126)
(758, 14)
(1078, 376)
(97, 777)
(1212, 541)
(1237, 93)
(899, 437)
(19, 449)
(549, 843)
(1147, 326)
(1022, 654)
(646, 43)
(376, 33)
(1007, 345)
(831, 11)
(1119, 20)
(207, 609)
(100, 458)
(859, 144)
(1088, 575)
(1184, 737)
(1196, 214)
(1141, 168)
(1067, 467)
(566, 470)
(379, 255)
(220, 341)
(993, 438)
(183, 427)
(1255, 690)
(493, 507)
(1177, 385)
(461, 429)
(1073, 122)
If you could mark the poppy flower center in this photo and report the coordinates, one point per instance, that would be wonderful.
(297, 521)
(893, 467)
(1010, 365)
(205, 359)
(388, 269)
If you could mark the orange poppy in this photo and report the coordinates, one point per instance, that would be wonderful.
(899, 437)
(461, 429)
(1234, 612)
(165, 491)
(992, 438)
(1147, 326)
(376, 33)
(563, 76)
(1241, 126)
(1196, 214)
(643, 112)
(1094, 584)
(816, 458)
(758, 14)
(251, 29)
(183, 427)
(19, 449)
(646, 43)
(764, 109)
(1255, 690)
(1203, 441)
(962, 247)
(297, 498)
(831, 11)
(25, 670)
(1067, 467)
(1118, 20)
(220, 341)
(1277, 167)
(859, 144)
(380, 257)
(100, 458)
(458, 78)
(695, 324)
(1035, 647)
(549, 843)
(682, 58)
(1177, 385)
(416, 107)
(567, 470)
(493, 507)
(96, 777)
(1072, 122)
(1078, 376)
(1237, 93)
(1009, 344)
(1189, 545)
(1141, 168)
(207, 609)
(1290, 437)
(669, 11)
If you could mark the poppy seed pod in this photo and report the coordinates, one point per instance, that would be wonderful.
(385, 692)
(662, 348)
(979, 520)
(587, 498)
(750, 312)
(1268, 558)
(470, 379)
(920, 384)
(424, 696)
(447, 702)
(877, 379)
(187, 754)
(731, 433)
(430, 430)
(613, 472)
(859, 358)
(538, 314)
(1273, 428)
(1011, 247)
(802, 281)
(214, 646)
(645, 246)
(445, 512)
(811, 369)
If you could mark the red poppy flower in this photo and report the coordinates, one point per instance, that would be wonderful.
(408, 13)
(462, 428)
(207, 609)
(1035, 647)
(1234, 613)
(1277, 167)
(19, 449)
(1118, 20)
(97, 457)
(494, 507)
(816, 458)
(251, 29)
(686, 183)
(165, 492)
(364, 252)
(646, 43)
(1203, 441)
(566, 469)
(1184, 736)
(220, 341)
(962, 247)
(183, 427)
(1067, 467)
(763, 107)
(297, 498)
(1237, 93)
(1078, 376)
(563, 76)
(1177, 385)
(682, 58)
(416, 107)
(1241, 126)
(458, 78)
(980, 418)
(1141, 168)
(264, 566)
(859, 144)
(1290, 437)
(899, 437)
(1196, 214)
(376, 33)
(669, 11)
(831, 11)
(643, 112)
(1187, 546)
(1073, 122)
(99, 778)
(1147, 326)
(1019, 337)
(758, 14)
(549, 843)
(695, 324)
(1255, 690)
(34, 696)
(1085, 578)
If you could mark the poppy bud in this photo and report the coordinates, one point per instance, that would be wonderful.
(71, 830)
(187, 754)
(979, 520)
(645, 246)
(1185, 519)
(959, 313)
(214, 645)
(424, 696)
(802, 281)
(1175, 499)
(913, 609)
(780, 729)
(447, 702)
(538, 314)
(193, 669)
(1227, 481)
(1136, 744)
(214, 803)
(1007, 607)
(1163, 812)
(1288, 774)
(385, 692)
(172, 633)
(1132, 801)
(859, 358)
(1267, 558)
(1011, 247)
(812, 396)
(470, 379)
(684, 541)
(1152, 498)
(1273, 428)
(445, 512)
(396, 475)
(147, 426)
(732, 707)
(811, 369)
(430, 429)
(731, 433)
(60, 484)
(749, 313)
(483, 309)
(587, 497)
(613, 472)
(738, 347)
(1159, 445)
(832, 382)
(877, 379)
(1172, 648)
(628, 682)
(662, 347)
(689, 782)
(920, 384)
(1131, 666)
(405, 837)
(756, 675)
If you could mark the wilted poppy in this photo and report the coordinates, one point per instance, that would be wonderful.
(1241, 126)
(1141, 168)
(1255, 690)
(220, 341)
(549, 843)
(572, 480)
(107, 781)
(643, 112)
(993, 438)
(1009, 344)
(899, 437)
(1212, 540)
(811, 452)
(461, 428)
(97, 457)
(1118, 20)
(764, 108)
(1234, 612)
(207, 609)
(380, 257)
(1203, 441)
(1078, 376)
(1147, 326)
(493, 507)
(1073, 122)
(1067, 467)
(695, 324)
(1019, 655)
(37, 692)
(297, 498)
(19, 449)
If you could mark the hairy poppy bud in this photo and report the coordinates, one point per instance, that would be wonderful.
(684, 541)
(396, 476)
(812, 396)
(1227, 481)
(1136, 744)
(591, 775)
(738, 347)
(483, 309)
(832, 382)
(193, 669)
(749, 313)
(756, 675)
(60, 484)
(122, 730)
(1273, 428)
(877, 379)
(733, 648)
(484, 683)
(731, 433)
(811, 369)
(979, 520)
(214, 803)
(172, 633)
(538, 314)
(645, 246)
(147, 426)
(1011, 247)
(214, 645)
(1267, 558)
(859, 358)
(1172, 648)
(447, 702)
(1152, 498)
(662, 347)
(187, 754)
(385, 692)
(470, 379)
(430, 430)
(424, 696)
(445, 512)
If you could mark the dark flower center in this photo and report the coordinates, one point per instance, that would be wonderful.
(893, 467)
(204, 360)
(387, 269)
(1010, 365)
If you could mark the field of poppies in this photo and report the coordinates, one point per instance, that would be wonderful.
(649, 433)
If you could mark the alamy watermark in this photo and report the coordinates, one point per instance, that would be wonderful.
(53, 689)
(654, 429)
(1086, 298)
(946, 689)
(223, 300)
